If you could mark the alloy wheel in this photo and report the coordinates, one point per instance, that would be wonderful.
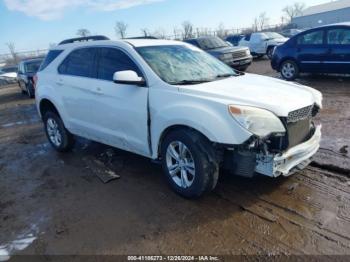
(288, 70)
(180, 164)
(53, 132)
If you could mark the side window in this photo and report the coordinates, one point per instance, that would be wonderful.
(313, 38)
(247, 37)
(52, 55)
(340, 36)
(79, 63)
(112, 60)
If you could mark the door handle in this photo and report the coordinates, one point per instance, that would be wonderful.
(59, 82)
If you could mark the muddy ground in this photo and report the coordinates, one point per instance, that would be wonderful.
(54, 203)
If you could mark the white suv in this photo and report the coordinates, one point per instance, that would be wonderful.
(262, 43)
(170, 101)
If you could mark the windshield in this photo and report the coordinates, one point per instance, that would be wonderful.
(211, 43)
(178, 64)
(32, 67)
(272, 35)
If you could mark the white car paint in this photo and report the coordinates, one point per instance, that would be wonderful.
(11, 75)
(260, 42)
(117, 114)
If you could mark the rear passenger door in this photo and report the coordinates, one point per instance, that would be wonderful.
(120, 111)
(311, 51)
(338, 57)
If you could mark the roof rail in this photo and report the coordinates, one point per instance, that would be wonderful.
(84, 39)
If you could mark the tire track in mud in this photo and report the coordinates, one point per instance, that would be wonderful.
(311, 218)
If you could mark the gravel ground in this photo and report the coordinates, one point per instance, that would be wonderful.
(54, 204)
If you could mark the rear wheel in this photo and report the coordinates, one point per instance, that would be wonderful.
(30, 90)
(58, 136)
(189, 163)
(289, 70)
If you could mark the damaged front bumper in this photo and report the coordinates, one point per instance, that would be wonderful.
(295, 159)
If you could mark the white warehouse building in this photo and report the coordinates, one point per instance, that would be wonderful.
(324, 14)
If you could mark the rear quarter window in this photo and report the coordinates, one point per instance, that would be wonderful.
(52, 55)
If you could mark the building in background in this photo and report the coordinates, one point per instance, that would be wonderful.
(329, 13)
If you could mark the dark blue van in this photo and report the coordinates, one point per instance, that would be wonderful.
(324, 49)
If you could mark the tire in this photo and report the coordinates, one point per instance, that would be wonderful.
(289, 70)
(58, 136)
(197, 170)
(269, 52)
(30, 90)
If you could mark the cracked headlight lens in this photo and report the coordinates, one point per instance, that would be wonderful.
(258, 121)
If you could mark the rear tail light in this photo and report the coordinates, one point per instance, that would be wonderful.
(35, 80)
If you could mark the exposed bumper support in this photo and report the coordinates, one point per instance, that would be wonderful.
(295, 159)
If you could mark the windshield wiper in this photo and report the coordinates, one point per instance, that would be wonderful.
(225, 75)
(190, 82)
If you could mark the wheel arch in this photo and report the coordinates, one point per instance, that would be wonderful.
(173, 128)
(46, 105)
(284, 59)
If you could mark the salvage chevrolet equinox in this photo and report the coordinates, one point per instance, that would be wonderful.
(171, 101)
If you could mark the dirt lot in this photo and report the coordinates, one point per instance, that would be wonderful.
(55, 204)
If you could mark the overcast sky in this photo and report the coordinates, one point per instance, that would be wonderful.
(34, 24)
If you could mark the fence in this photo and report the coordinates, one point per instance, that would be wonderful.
(177, 35)
(10, 59)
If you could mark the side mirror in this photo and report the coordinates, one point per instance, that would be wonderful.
(128, 78)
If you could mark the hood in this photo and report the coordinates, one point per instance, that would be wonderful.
(225, 50)
(277, 96)
(279, 40)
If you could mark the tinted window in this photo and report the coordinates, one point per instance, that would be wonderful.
(49, 58)
(339, 36)
(247, 37)
(313, 38)
(32, 67)
(112, 60)
(79, 63)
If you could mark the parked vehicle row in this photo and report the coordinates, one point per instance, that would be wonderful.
(320, 50)
(25, 75)
(173, 102)
(236, 57)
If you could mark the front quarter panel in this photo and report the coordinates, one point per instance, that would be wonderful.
(170, 108)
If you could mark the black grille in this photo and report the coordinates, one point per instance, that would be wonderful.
(239, 54)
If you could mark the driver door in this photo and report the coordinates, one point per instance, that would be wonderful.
(120, 110)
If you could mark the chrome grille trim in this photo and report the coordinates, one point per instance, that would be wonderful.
(300, 114)
(239, 54)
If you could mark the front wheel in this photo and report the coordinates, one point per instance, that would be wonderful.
(58, 136)
(189, 163)
(289, 70)
(270, 52)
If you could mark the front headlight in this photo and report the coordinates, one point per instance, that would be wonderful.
(256, 120)
(247, 52)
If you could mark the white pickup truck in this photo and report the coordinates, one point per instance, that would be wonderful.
(262, 43)
(171, 101)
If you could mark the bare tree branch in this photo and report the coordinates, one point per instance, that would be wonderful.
(294, 10)
(120, 29)
(83, 32)
(12, 49)
(187, 27)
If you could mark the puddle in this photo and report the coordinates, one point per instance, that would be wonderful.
(21, 242)
(19, 123)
